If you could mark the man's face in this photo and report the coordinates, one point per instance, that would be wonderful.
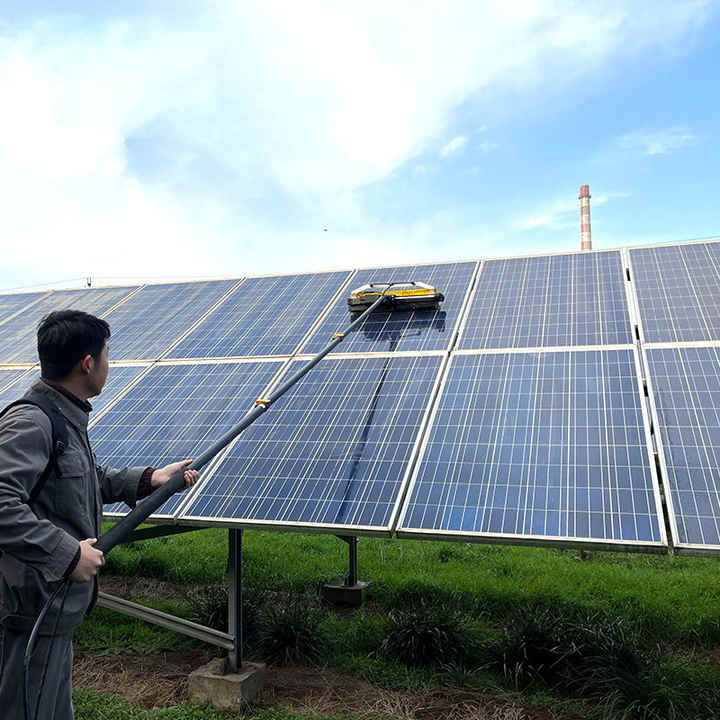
(98, 372)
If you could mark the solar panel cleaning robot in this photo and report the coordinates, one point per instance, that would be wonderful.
(398, 296)
(369, 298)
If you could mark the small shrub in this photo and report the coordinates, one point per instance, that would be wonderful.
(210, 606)
(291, 635)
(664, 692)
(603, 656)
(527, 651)
(425, 636)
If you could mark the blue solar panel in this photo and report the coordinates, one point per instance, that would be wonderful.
(7, 385)
(264, 316)
(18, 336)
(148, 323)
(10, 304)
(686, 390)
(678, 291)
(333, 453)
(176, 412)
(384, 331)
(118, 378)
(549, 301)
(544, 447)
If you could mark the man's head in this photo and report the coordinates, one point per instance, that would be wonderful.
(72, 347)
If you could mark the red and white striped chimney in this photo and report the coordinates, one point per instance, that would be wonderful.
(585, 235)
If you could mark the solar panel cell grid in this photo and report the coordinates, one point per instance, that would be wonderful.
(176, 412)
(10, 304)
(264, 316)
(539, 445)
(18, 336)
(118, 378)
(387, 332)
(7, 381)
(149, 322)
(333, 452)
(686, 392)
(678, 291)
(554, 300)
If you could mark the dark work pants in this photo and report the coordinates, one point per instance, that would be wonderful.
(56, 699)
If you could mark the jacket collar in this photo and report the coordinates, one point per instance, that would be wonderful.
(70, 408)
(82, 404)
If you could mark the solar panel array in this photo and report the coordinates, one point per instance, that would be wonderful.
(513, 414)
(264, 316)
(8, 377)
(549, 301)
(118, 378)
(686, 390)
(533, 446)
(678, 291)
(153, 318)
(10, 304)
(333, 452)
(175, 412)
(18, 335)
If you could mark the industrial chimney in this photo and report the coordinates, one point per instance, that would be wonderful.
(585, 236)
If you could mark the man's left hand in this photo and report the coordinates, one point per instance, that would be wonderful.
(162, 475)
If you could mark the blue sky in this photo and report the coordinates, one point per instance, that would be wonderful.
(186, 140)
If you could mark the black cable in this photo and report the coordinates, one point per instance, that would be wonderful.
(64, 587)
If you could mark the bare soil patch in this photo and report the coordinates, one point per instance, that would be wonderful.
(160, 679)
(137, 588)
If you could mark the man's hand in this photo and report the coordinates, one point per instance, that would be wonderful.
(162, 475)
(91, 560)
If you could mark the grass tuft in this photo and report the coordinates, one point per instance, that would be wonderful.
(291, 635)
(425, 636)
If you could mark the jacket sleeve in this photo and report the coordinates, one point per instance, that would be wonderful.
(25, 445)
(120, 484)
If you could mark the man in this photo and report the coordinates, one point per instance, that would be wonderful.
(48, 536)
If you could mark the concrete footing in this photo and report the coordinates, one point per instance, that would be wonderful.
(232, 690)
(338, 593)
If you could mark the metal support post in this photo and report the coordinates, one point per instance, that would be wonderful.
(235, 598)
(350, 591)
(230, 683)
(352, 578)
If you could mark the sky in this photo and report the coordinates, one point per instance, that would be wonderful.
(185, 140)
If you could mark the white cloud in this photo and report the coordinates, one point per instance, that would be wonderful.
(563, 212)
(295, 105)
(454, 146)
(660, 142)
(534, 222)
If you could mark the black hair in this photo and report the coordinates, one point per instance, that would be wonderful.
(66, 336)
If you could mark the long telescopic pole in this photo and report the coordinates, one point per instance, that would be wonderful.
(124, 527)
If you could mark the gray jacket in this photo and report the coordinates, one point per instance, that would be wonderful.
(39, 541)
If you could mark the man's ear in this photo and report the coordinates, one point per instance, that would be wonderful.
(87, 364)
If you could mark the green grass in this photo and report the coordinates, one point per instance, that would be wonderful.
(669, 605)
(91, 705)
(108, 632)
(668, 598)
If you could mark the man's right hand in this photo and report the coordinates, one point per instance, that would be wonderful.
(91, 560)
